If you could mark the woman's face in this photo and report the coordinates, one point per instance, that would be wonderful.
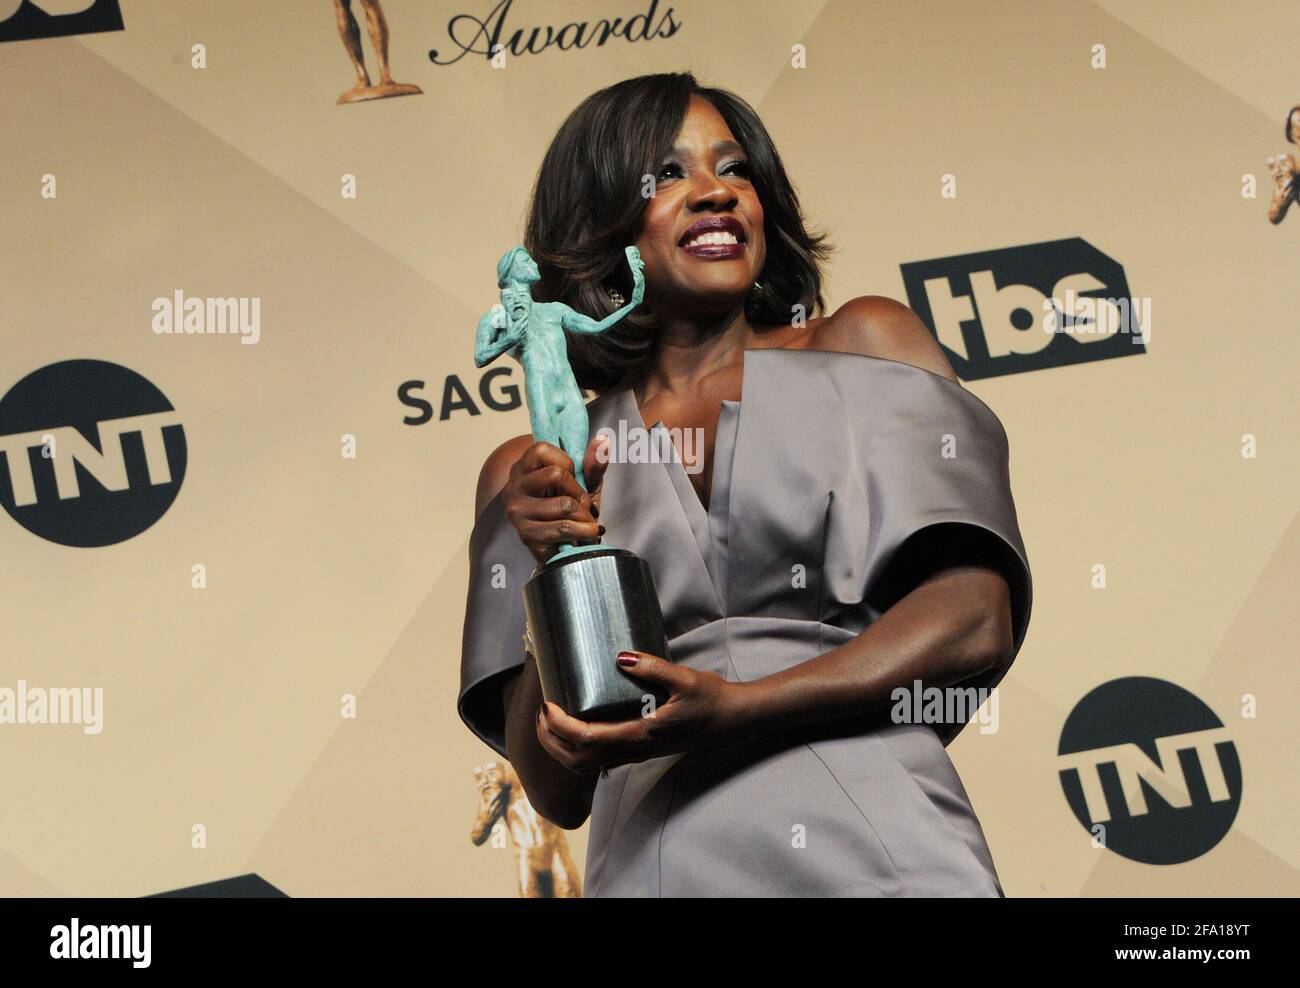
(704, 180)
(1295, 126)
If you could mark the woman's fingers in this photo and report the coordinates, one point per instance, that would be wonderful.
(559, 508)
(542, 455)
(552, 476)
(542, 523)
(549, 480)
(547, 505)
(541, 538)
(565, 530)
(581, 746)
(594, 464)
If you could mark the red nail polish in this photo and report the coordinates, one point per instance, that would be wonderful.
(627, 658)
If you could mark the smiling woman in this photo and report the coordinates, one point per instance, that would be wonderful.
(851, 535)
(615, 174)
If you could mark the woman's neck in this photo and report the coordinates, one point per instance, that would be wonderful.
(688, 350)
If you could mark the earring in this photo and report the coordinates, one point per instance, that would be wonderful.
(616, 297)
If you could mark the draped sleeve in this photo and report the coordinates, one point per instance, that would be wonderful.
(938, 482)
(492, 646)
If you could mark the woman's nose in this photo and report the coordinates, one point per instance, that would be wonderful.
(709, 190)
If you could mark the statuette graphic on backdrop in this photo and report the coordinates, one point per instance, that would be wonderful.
(377, 27)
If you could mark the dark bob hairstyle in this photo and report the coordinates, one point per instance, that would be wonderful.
(587, 205)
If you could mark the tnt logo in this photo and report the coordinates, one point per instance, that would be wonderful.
(90, 453)
(1026, 308)
(1150, 770)
(22, 20)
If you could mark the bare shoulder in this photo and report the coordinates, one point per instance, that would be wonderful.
(876, 326)
(496, 470)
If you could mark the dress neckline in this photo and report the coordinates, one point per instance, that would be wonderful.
(709, 526)
(730, 406)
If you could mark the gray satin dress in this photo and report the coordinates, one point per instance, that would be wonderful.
(823, 471)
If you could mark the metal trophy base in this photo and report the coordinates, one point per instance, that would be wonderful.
(584, 609)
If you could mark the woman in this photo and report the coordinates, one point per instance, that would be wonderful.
(851, 534)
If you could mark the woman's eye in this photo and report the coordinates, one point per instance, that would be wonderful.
(740, 168)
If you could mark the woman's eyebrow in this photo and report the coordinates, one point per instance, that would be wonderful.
(721, 147)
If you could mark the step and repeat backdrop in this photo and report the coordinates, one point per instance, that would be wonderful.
(245, 250)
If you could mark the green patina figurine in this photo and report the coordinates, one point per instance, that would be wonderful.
(533, 333)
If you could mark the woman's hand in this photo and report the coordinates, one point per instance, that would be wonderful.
(545, 502)
(702, 710)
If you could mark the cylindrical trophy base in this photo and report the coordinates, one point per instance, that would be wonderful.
(582, 611)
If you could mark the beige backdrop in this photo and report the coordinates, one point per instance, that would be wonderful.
(329, 576)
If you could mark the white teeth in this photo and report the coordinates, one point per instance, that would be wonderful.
(718, 237)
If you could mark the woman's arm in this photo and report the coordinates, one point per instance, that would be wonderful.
(952, 628)
(557, 793)
(560, 794)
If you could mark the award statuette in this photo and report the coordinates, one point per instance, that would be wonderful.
(587, 602)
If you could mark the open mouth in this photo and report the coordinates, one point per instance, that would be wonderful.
(719, 236)
(712, 238)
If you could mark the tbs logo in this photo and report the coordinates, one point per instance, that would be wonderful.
(90, 453)
(1027, 308)
(1149, 770)
(22, 20)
